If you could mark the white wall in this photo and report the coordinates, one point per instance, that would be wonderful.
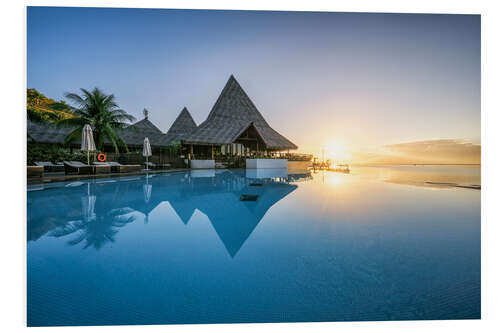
(202, 164)
(266, 163)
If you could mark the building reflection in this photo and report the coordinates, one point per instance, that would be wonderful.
(93, 212)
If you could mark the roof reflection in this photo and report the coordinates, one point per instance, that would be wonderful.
(94, 211)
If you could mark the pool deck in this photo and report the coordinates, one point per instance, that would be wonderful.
(51, 177)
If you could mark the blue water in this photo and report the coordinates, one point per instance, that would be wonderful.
(182, 248)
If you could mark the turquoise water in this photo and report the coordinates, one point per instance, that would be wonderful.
(182, 248)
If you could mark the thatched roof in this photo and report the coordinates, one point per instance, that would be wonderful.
(46, 133)
(231, 115)
(134, 134)
(183, 126)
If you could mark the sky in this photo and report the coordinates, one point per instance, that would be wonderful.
(359, 86)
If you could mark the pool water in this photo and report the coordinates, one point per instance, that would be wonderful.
(315, 246)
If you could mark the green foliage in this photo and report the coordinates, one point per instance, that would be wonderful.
(101, 112)
(174, 149)
(43, 109)
(52, 153)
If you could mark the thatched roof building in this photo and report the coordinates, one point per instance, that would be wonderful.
(235, 119)
(134, 134)
(46, 133)
(182, 126)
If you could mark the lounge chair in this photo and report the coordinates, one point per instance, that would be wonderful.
(34, 171)
(78, 168)
(50, 167)
(117, 167)
(150, 165)
(102, 168)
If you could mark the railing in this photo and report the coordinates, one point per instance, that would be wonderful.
(229, 157)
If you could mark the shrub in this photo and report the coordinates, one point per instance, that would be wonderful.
(53, 153)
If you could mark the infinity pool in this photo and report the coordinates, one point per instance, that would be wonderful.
(182, 248)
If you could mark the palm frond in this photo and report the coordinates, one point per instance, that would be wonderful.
(73, 135)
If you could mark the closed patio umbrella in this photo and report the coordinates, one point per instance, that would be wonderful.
(88, 206)
(146, 151)
(88, 144)
(147, 188)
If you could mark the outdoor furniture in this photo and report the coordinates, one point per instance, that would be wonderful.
(50, 167)
(78, 168)
(120, 168)
(150, 165)
(164, 166)
(34, 171)
(101, 168)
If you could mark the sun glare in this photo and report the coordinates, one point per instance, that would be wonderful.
(337, 150)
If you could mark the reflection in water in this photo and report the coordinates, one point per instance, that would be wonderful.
(96, 231)
(436, 176)
(107, 206)
(95, 210)
(333, 247)
(98, 223)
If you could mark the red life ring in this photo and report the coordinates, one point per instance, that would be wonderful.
(101, 157)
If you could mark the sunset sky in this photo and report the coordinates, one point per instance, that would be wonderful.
(373, 88)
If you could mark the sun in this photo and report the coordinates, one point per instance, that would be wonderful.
(337, 150)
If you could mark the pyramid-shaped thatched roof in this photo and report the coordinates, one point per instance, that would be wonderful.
(231, 115)
(146, 126)
(134, 134)
(183, 126)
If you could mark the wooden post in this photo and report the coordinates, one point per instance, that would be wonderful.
(190, 156)
(212, 149)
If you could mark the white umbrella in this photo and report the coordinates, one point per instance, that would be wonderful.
(88, 144)
(88, 206)
(147, 188)
(146, 151)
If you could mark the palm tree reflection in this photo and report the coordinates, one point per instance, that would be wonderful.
(98, 224)
(93, 214)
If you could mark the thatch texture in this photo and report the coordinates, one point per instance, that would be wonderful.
(47, 133)
(231, 115)
(134, 134)
(183, 126)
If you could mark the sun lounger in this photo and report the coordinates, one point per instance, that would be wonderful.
(121, 168)
(50, 167)
(99, 169)
(34, 171)
(78, 168)
(151, 165)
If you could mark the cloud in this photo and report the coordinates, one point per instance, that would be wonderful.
(444, 151)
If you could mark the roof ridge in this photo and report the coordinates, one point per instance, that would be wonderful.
(233, 91)
(148, 123)
(231, 113)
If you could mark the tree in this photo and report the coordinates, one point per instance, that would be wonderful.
(41, 109)
(102, 113)
(98, 230)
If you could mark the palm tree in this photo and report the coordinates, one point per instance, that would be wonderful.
(102, 113)
(96, 231)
